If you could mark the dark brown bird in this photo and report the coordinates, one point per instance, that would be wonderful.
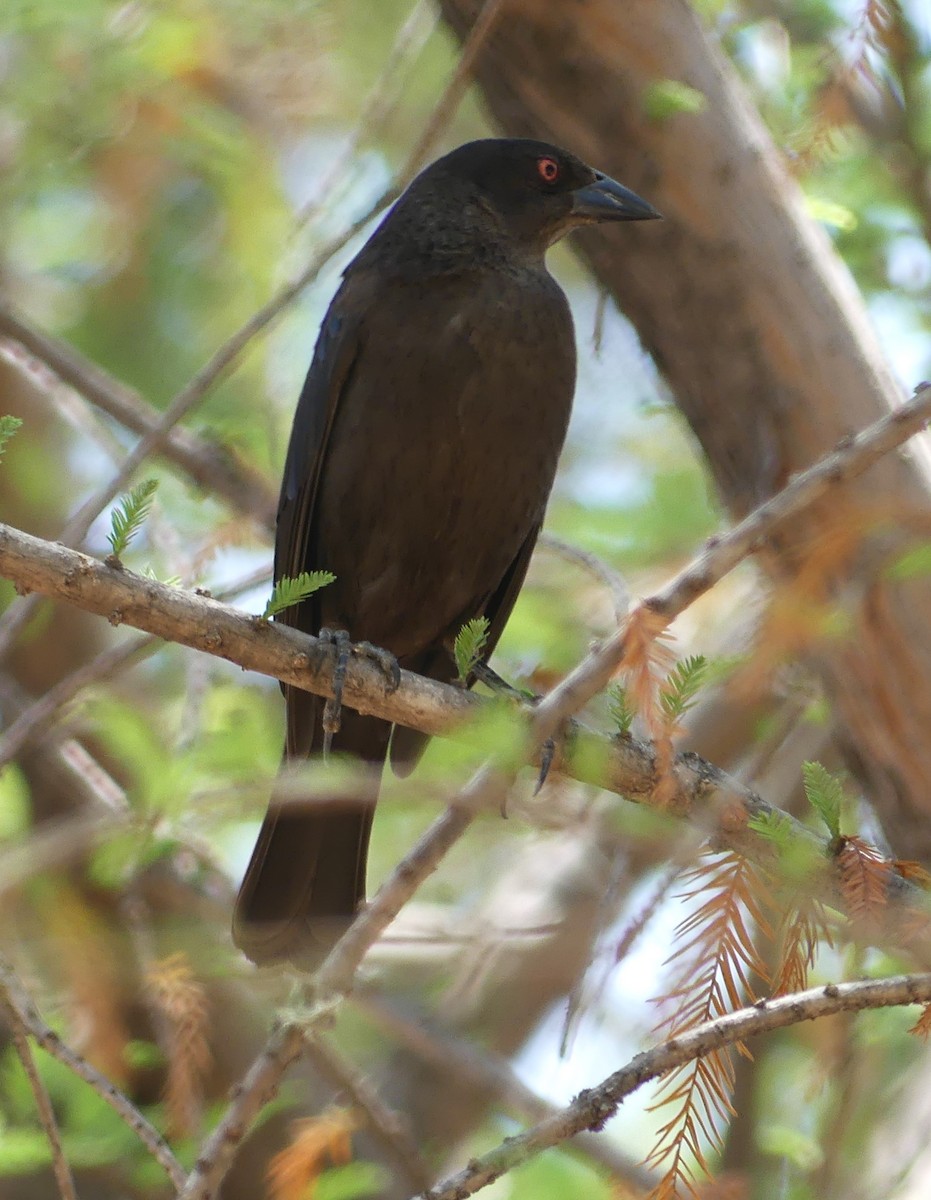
(421, 459)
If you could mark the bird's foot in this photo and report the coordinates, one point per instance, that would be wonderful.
(339, 639)
(384, 660)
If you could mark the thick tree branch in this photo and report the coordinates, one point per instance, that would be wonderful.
(279, 651)
(592, 1108)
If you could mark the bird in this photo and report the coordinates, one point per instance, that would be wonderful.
(423, 451)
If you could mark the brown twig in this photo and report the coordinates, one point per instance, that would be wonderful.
(207, 465)
(259, 1085)
(388, 1128)
(380, 102)
(721, 554)
(17, 998)
(448, 102)
(594, 566)
(33, 721)
(468, 1062)
(60, 1166)
(593, 1107)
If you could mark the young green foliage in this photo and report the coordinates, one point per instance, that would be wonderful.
(825, 795)
(470, 645)
(8, 426)
(288, 590)
(682, 686)
(775, 827)
(620, 709)
(129, 515)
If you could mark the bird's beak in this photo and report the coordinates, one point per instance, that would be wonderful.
(608, 200)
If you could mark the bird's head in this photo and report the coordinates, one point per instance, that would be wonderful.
(534, 191)
(492, 202)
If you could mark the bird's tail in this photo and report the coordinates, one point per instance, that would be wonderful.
(306, 878)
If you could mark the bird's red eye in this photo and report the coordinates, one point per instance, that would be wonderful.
(549, 169)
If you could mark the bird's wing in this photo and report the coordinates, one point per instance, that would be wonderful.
(330, 370)
(503, 599)
(437, 663)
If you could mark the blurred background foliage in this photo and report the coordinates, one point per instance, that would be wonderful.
(164, 167)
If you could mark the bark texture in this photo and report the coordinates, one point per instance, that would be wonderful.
(759, 330)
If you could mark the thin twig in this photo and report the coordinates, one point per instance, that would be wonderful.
(35, 720)
(595, 566)
(721, 554)
(259, 1085)
(470, 1064)
(19, 1000)
(207, 465)
(380, 102)
(60, 1166)
(42, 712)
(593, 1107)
(388, 1128)
(446, 106)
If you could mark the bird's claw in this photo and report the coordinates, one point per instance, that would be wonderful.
(494, 682)
(484, 674)
(547, 754)
(384, 660)
(333, 709)
(344, 647)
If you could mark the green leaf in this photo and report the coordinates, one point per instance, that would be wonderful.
(667, 97)
(682, 685)
(825, 794)
(8, 426)
(620, 709)
(128, 516)
(470, 645)
(775, 827)
(288, 590)
(355, 1179)
(913, 564)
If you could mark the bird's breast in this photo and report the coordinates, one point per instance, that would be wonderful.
(443, 454)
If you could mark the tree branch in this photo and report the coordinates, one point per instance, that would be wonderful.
(593, 1107)
(388, 1128)
(206, 464)
(60, 1167)
(277, 650)
(18, 1000)
(259, 1085)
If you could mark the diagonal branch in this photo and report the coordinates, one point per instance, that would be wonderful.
(283, 653)
(18, 1000)
(60, 1166)
(388, 1128)
(206, 464)
(279, 651)
(593, 1107)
